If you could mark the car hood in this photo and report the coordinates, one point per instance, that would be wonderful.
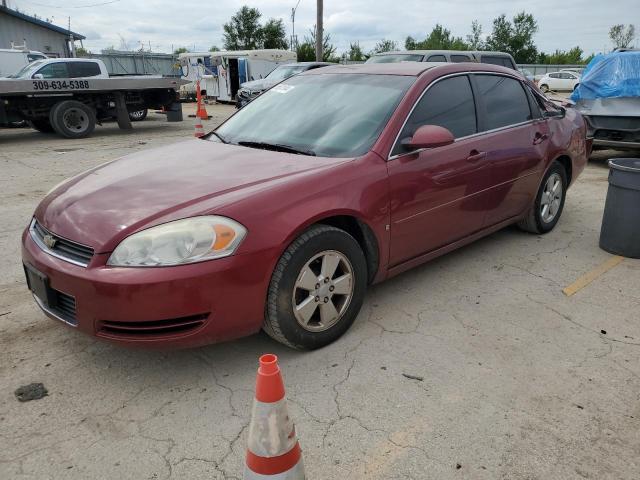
(106, 204)
(260, 84)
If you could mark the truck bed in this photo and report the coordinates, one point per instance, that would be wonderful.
(10, 87)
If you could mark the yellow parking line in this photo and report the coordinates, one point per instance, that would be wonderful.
(589, 277)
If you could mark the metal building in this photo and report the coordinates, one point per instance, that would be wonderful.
(16, 28)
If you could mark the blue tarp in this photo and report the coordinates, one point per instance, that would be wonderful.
(612, 75)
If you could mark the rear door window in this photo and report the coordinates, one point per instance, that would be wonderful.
(497, 60)
(460, 58)
(54, 70)
(505, 101)
(84, 69)
(437, 58)
(448, 103)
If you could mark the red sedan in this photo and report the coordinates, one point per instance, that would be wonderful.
(280, 218)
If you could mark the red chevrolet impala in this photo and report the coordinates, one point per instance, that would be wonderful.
(280, 218)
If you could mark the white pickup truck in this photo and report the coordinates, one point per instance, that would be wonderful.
(70, 95)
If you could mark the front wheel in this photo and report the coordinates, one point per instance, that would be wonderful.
(138, 115)
(546, 210)
(544, 87)
(317, 289)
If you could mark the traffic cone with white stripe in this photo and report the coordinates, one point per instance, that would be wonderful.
(273, 451)
(199, 130)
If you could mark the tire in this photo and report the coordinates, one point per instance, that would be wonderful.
(138, 115)
(536, 220)
(72, 119)
(42, 125)
(544, 87)
(308, 253)
(575, 86)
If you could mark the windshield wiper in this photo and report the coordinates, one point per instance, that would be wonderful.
(277, 147)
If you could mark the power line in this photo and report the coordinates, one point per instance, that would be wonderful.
(71, 6)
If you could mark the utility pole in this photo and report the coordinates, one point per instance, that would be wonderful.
(72, 42)
(319, 32)
(294, 39)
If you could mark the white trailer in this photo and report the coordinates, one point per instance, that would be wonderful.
(12, 59)
(221, 73)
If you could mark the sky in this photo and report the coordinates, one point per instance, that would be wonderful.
(167, 25)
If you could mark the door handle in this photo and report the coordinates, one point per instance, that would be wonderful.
(476, 156)
(538, 138)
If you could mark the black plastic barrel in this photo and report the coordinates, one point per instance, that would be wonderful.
(174, 112)
(620, 232)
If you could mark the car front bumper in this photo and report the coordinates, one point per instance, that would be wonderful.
(172, 307)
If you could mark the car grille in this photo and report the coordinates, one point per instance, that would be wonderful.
(61, 247)
(172, 326)
(65, 307)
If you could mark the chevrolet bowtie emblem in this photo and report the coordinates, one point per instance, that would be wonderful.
(49, 241)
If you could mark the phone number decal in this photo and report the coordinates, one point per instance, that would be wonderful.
(60, 84)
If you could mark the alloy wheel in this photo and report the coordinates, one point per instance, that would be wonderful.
(323, 291)
(551, 198)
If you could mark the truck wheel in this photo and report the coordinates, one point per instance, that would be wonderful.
(72, 119)
(138, 115)
(42, 125)
(316, 289)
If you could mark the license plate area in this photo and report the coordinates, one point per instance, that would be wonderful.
(57, 304)
(38, 283)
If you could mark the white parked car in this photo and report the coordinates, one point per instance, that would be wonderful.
(557, 81)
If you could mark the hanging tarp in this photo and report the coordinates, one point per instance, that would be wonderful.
(612, 75)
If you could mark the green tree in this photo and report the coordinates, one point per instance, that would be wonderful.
(82, 52)
(328, 49)
(243, 31)
(410, 43)
(306, 51)
(515, 38)
(180, 50)
(385, 46)
(355, 53)
(214, 48)
(274, 34)
(621, 36)
(474, 40)
(440, 38)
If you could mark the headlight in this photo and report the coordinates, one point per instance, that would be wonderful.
(182, 241)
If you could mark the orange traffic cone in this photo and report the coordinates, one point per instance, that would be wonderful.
(273, 450)
(201, 112)
(199, 130)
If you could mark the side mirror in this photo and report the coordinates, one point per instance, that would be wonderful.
(429, 136)
(38, 76)
(559, 113)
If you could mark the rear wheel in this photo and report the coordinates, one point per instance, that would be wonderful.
(72, 119)
(546, 210)
(317, 289)
(42, 125)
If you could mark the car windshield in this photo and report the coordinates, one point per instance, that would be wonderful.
(395, 58)
(22, 73)
(331, 115)
(284, 71)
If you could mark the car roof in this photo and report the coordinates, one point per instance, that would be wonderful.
(301, 64)
(413, 69)
(440, 52)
